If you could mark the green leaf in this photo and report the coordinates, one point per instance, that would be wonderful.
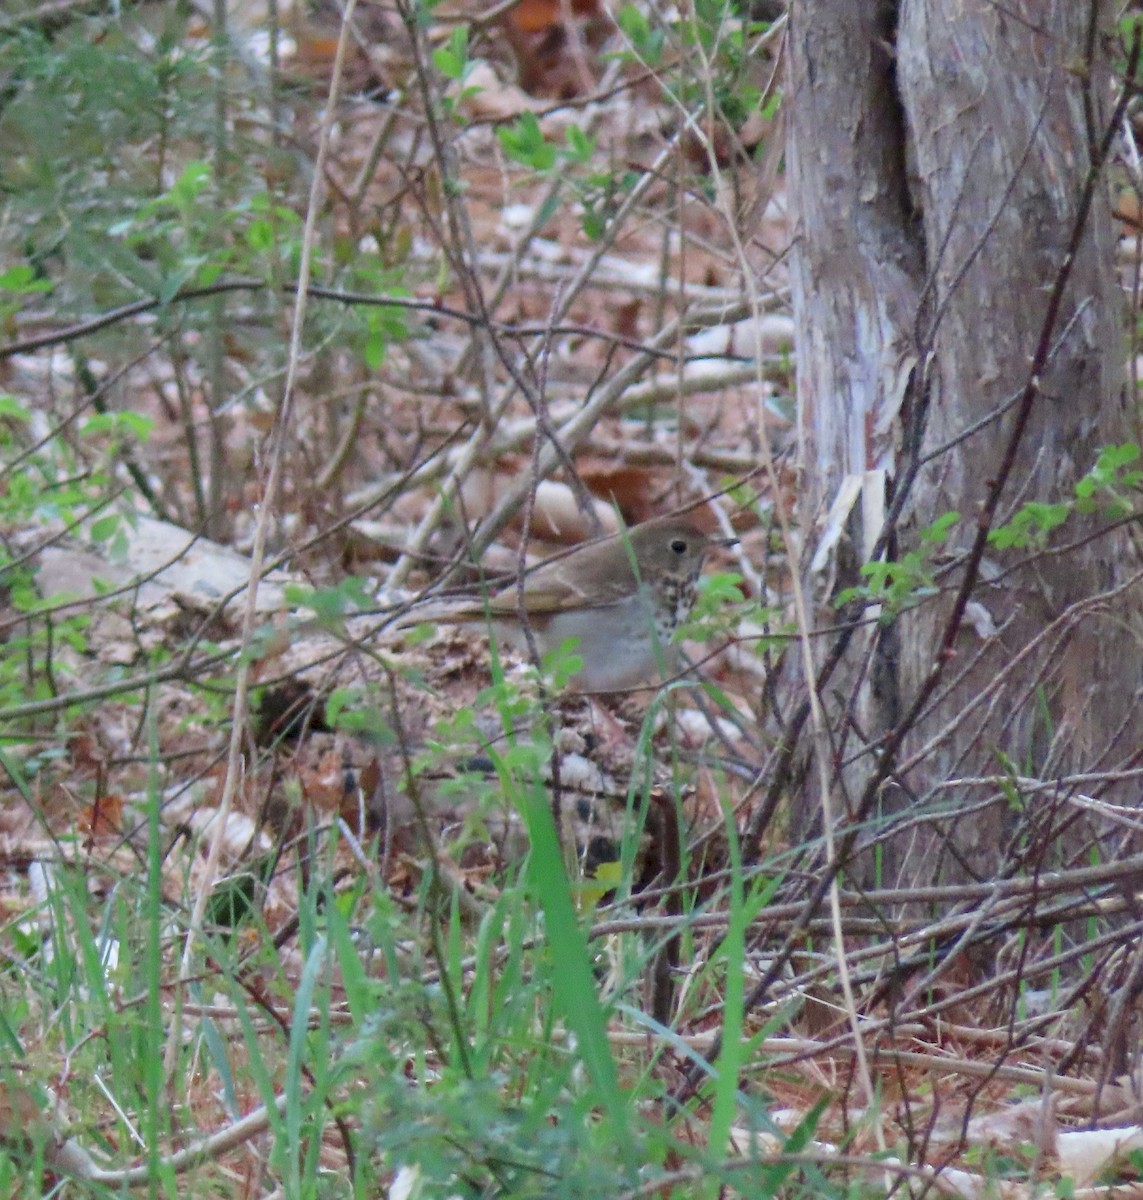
(939, 530)
(647, 43)
(593, 224)
(23, 280)
(581, 146)
(1111, 458)
(133, 425)
(561, 664)
(772, 1180)
(12, 410)
(374, 352)
(138, 425)
(1030, 526)
(105, 528)
(99, 424)
(524, 143)
(260, 235)
(452, 60)
(175, 280)
(633, 23)
(188, 186)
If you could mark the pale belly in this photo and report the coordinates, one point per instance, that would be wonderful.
(619, 645)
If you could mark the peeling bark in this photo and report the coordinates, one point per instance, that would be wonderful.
(937, 153)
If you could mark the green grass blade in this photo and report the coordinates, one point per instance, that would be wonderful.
(572, 979)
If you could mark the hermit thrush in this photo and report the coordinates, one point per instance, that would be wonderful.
(620, 599)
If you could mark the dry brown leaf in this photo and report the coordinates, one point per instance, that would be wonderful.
(536, 16)
(103, 817)
(632, 489)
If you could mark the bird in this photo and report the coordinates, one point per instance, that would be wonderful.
(619, 599)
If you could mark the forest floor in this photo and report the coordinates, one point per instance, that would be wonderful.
(276, 902)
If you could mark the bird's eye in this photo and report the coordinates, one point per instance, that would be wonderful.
(679, 545)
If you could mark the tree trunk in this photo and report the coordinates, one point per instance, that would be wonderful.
(938, 151)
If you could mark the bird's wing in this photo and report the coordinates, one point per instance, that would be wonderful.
(550, 588)
(553, 587)
(540, 602)
(551, 595)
